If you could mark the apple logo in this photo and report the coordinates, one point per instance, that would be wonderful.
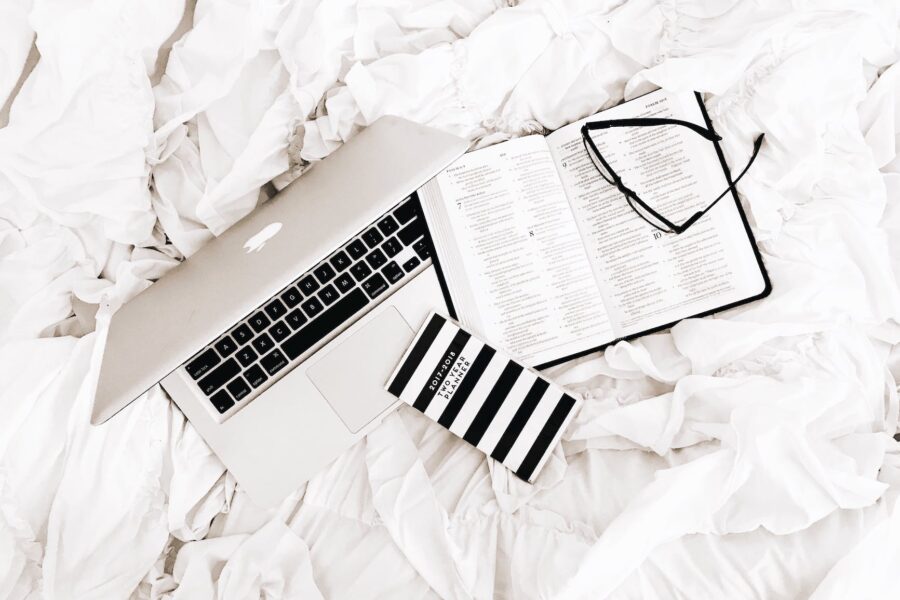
(256, 243)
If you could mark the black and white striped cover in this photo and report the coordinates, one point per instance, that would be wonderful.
(507, 411)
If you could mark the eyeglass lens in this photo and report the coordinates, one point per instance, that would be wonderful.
(656, 163)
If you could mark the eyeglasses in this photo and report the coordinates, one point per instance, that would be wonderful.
(642, 208)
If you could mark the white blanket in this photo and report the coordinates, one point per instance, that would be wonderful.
(744, 456)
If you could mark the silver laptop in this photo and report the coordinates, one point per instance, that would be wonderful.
(276, 338)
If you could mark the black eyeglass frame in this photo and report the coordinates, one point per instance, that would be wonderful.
(630, 195)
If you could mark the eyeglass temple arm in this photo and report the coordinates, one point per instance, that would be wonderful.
(643, 121)
(757, 144)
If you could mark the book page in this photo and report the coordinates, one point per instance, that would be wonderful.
(517, 270)
(651, 278)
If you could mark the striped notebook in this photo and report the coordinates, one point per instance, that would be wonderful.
(507, 411)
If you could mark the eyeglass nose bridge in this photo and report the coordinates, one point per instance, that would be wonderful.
(629, 194)
(634, 201)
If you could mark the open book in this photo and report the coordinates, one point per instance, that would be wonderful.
(542, 256)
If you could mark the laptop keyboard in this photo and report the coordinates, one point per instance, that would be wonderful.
(233, 367)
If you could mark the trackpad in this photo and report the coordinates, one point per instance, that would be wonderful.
(352, 376)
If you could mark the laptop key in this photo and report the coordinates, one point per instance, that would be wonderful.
(392, 247)
(222, 401)
(238, 388)
(203, 363)
(374, 285)
(388, 225)
(339, 261)
(308, 285)
(255, 375)
(356, 249)
(372, 238)
(344, 283)
(412, 232)
(312, 307)
(411, 264)
(392, 272)
(225, 346)
(423, 249)
(328, 294)
(279, 331)
(275, 309)
(219, 376)
(259, 322)
(331, 319)
(360, 271)
(292, 297)
(324, 273)
(241, 334)
(263, 343)
(295, 318)
(406, 212)
(246, 356)
(376, 258)
(273, 362)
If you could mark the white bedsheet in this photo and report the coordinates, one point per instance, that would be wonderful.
(744, 456)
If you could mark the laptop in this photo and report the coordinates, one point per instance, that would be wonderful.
(276, 338)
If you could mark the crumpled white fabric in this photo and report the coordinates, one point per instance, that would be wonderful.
(271, 562)
(16, 37)
(741, 456)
